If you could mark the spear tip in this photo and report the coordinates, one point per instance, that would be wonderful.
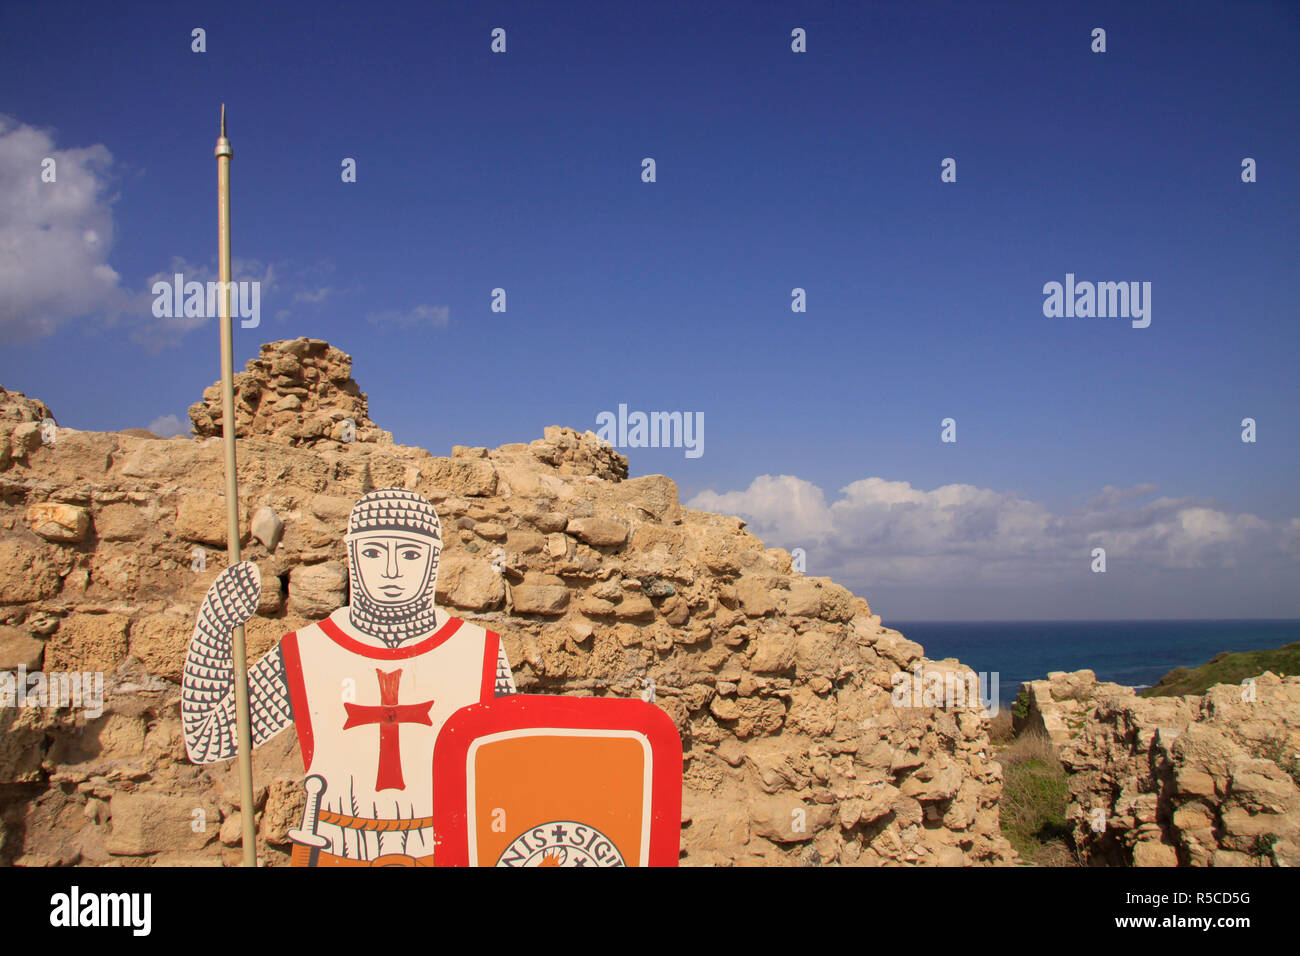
(223, 144)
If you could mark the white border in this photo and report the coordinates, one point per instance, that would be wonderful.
(471, 805)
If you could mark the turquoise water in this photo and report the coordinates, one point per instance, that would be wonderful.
(1137, 653)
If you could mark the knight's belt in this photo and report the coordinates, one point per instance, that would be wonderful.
(302, 856)
(374, 826)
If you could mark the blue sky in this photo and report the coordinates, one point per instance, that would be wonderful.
(775, 170)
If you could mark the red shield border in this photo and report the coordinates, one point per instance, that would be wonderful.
(541, 711)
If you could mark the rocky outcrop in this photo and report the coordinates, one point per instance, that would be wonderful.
(297, 392)
(1058, 706)
(1165, 781)
(600, 584)
(21, 430)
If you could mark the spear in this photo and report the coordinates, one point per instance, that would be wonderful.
(243, 724)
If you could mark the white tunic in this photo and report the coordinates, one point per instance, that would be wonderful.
(368, 717)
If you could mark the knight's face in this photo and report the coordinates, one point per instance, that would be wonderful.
(393, 567)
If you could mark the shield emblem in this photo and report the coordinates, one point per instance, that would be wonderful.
(532, 780)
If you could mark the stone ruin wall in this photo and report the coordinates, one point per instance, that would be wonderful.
(779, 683)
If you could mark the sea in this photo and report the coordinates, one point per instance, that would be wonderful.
(1136, 653)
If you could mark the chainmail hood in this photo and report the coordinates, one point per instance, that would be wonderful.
(403, 512)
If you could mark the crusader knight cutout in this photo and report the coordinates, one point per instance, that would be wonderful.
(370, 690)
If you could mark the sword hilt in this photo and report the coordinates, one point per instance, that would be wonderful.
(306, 834)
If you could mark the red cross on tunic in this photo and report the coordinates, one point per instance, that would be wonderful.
(389, 715)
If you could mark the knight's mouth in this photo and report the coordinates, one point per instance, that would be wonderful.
(392, 589)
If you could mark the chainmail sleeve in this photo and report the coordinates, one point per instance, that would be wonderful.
(208, 684)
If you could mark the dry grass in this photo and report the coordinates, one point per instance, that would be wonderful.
(1000, 731)
(1029, 747)
(1034, 800)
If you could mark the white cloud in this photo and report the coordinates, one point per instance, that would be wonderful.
(960, 535)
(1291, 537)
(55, 237)
(1110, 495)
(168, 426)
(436, 316)
(789, 508)
(55, 240)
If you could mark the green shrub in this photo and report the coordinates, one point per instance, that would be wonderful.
(1020, 709)
(1226, 668)
(1263, 845)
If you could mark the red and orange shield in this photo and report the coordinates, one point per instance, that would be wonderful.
(531, 780)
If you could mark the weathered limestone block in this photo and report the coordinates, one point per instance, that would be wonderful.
(22, 744)
(755, 596)
(805, 600)
(598, 532)
(60, 523)
(26, 574)
(656, 495)
(817, 654)
(285, 801)
(145, 823)
(595, 607)
(88, 642)
(120, 522)
(774, 651)
(201, 516)
(317, 590)
(633, 606)
(930, 783)
(810, 713)
(1154, 853)
(751, 715)
(539, 599)
(470, 477)
(468, 581)
(267, 527)
(896, 648)
(18, 648)
(786, 819)
(25, 438)
(525, 542)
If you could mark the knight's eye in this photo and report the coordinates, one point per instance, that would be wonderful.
(370, 553)
(411, 555)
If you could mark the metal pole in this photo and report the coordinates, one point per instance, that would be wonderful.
(243, 724)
